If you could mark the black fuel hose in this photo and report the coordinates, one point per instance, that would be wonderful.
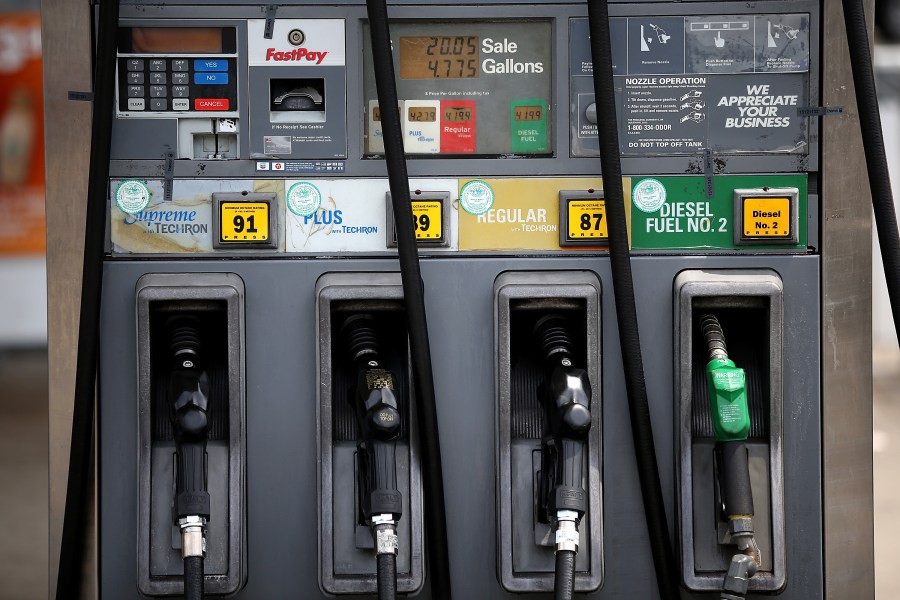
(414, 295)
(71, 552)
(873, 145)
(193, 578)
(564, 580)
(623, 290)
(387, 576)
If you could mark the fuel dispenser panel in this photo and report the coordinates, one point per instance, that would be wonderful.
(248, 188)
(191, 323)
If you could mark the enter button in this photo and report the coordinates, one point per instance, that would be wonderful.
(211, 104)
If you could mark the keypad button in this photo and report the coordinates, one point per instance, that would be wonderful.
(211, 78)
(134, 64)
(136, 78)
(181, 104)
(158, 65)
(206, 64)
(158, 104)
(136, 104)
(158, 78)
(181, 91)
(181, 78)
(180, 64)
(135, 91)
(158, 91)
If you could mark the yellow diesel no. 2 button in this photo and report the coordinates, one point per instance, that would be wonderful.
(767, 217)
(245, 221)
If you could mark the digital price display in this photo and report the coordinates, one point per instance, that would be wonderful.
(422, 114)
(528, 113)
(177, 40)
(439, 57)
(457, 114)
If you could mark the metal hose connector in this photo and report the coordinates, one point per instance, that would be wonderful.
(715, 339)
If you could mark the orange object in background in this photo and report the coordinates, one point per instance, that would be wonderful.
(22, 224)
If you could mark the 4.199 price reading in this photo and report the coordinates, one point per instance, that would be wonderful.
(528, 113)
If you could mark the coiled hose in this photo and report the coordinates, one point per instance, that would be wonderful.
(414, 296)
(564, 582)
(387, 576)
(193, 578)
(623, 291)
(873, 145)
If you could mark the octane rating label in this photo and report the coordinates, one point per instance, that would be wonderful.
(132, 196)
(427, 219)
(587, 220)
(304, 199)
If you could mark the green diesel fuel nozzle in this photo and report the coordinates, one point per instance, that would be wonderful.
(728, 400)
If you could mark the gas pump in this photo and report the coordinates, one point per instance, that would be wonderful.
(289, 188)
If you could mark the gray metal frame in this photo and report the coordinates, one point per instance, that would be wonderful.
(367, 289)
(550, 288)
(846, 230)
(731, 289)
(188, 288)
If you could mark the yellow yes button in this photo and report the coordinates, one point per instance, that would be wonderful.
(767, 217)
(587, 220)
(244, 221)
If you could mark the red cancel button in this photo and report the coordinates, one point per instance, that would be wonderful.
(210, 103)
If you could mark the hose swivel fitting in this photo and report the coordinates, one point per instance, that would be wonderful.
(567, 530)
(740, 528)
(385, 529)
(193, 536)
(737, 581)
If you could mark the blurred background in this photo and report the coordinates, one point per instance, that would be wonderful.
(23, 307)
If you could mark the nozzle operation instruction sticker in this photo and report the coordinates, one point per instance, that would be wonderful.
(304, 199)
(132, 196)
(476, 197)
(649, 195)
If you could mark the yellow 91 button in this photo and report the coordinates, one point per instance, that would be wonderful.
(427, 220)
(244, 220)
(766, 216)
(583, 219)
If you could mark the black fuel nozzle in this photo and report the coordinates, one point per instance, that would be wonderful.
(378, 416)
(566, 396)
(188, 396)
